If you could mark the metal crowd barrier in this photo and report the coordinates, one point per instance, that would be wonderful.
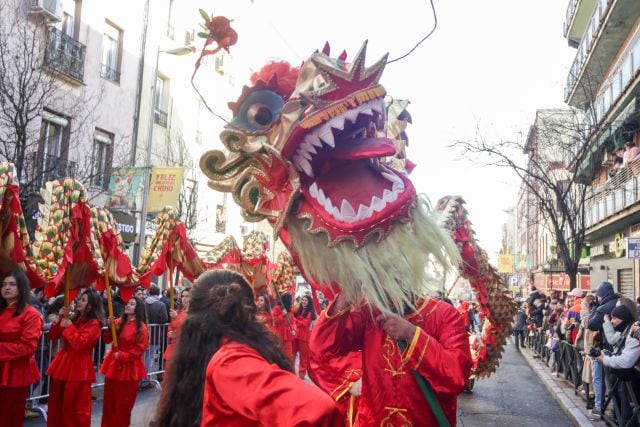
(623, 397)
(46, 351)
(622, 389)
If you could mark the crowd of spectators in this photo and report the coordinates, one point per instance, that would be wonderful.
(602, 327)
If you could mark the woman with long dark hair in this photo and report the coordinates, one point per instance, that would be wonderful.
(227, 370)
(304, 315)
(123, 367)
(20, 331)
(284, 328)
(177, 319)
(264, 312)
(72, 369)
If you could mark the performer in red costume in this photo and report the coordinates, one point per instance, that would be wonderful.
(173, 332)
(340, 378)
(20, 331)
(72, 369)
(249, 379)
(284, 328)
(437, 348)
(123, 367)
(264, 312)
(304, 315)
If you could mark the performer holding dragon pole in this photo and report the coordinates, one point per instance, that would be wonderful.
(305, 153)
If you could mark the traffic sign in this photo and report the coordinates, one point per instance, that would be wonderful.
(633, 247)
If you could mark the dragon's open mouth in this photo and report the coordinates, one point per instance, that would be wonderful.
(339, 161)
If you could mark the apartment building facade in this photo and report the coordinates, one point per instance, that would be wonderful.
(548, 194)
(604, 81)
(73, 65)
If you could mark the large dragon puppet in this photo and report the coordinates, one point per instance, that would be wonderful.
(310, 149)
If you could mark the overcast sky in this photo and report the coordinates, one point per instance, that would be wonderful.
(490, 64)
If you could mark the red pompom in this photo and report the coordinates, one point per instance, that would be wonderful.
(286, 77)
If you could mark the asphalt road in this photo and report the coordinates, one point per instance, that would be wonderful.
(512, 396)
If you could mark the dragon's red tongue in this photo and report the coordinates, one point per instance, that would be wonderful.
(363, 148)
(355, 181)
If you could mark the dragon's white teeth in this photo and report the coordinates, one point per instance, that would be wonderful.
(351, 115)
(306, 166)
(389, 196)
(308, 147)
(313, 190)
(304, 153)
(377, 105)
(398, 187)
(337, 214)
(327, 136)
(337, 122)
(321, 197)
(366, 111)
(296, 161)
(313, 139)
(393, 178)
(328, 206)
(377, 204)
(364, 212)
(347, 210)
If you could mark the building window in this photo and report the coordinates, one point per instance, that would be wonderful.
(160, 114)
(111, 53)
(170, 27)
(68, 23)
(50, 161)
(102, 154)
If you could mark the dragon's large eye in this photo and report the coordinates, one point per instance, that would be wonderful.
(258, 111)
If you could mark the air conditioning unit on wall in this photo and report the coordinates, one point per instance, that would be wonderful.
(51, 10)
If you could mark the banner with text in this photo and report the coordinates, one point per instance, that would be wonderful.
(165, 187)
(124, 187)
(505, 263)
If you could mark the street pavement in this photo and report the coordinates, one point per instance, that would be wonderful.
(512, 396)
(143, 411)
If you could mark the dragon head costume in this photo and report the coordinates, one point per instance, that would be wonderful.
(310, 150)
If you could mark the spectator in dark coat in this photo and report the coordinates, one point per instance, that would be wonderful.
(520, 327)
(607, 300)
(536, 311)
(157, 315)
(534, 295)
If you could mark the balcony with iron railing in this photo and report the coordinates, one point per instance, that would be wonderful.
(577, 19)
(615, 195)
(622, 77)
(160, 117)
(64, 54)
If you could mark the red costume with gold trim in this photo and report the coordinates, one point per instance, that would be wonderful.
(282, 329)
(174, 326)
(72, 373)
(439, 352)
(302, 326)
(19, 338)
(243, 390)
(335, 376)
(122, 374)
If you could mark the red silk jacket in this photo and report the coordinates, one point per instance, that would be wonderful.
(439, 351)
(128, 366)
(244, 390)
(19, 338)
(74, 361)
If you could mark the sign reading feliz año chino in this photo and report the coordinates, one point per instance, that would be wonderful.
(164, 189)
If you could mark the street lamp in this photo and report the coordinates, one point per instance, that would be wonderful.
(179, 51)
